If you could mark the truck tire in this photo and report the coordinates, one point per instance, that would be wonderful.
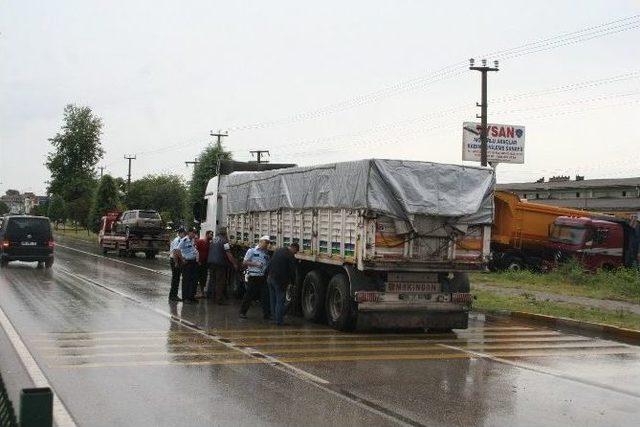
(460, 283)
(150, 254)
(341, 310)
(513, 264)
(48, 263)
(314, 288)
(4, 262)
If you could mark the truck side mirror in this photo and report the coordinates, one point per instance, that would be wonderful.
(197, 211)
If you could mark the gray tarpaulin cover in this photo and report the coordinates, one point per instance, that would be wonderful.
(396, 188)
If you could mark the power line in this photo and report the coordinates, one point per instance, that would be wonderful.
(454, 70)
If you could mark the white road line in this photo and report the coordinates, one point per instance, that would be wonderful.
(284, 367)
(61, 415)
(114, 260)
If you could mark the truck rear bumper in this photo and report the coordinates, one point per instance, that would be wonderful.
(440, 307)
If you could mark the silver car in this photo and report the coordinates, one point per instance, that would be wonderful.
(140, 222)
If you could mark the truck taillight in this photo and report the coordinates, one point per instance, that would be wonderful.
(5, 244)
(461, 298)
(367, 297)
(51, 243)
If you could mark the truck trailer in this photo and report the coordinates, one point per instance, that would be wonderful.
(383, 243)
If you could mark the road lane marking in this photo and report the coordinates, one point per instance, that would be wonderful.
(325, 330)
(164, 273)
(350, 358)
(258, 357)
(61, 415)
(162, 343)
(500, 358)
(391, 337)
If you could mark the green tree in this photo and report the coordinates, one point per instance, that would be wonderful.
(76, 151)
(106, 198)
(41, 209)
(203, 171)
(166, 194)
(57, 210)
(4, 208)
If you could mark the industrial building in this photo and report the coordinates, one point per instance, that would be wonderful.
(615, 195)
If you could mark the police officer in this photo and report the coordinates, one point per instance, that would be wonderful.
(256, 260)
(189, 257)
(174, 262)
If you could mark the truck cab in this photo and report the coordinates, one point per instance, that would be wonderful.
(594, 243)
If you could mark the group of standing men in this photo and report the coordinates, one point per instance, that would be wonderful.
(196, 260)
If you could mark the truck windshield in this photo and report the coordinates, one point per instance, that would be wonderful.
(149, 215)
(568, 234)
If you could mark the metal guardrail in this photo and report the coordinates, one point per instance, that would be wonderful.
(7, 413)
(36, 407)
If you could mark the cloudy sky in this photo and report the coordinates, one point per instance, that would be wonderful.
(317, 82)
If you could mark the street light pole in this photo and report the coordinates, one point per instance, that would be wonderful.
(483, 106)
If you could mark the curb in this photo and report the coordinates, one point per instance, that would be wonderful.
(629, 336)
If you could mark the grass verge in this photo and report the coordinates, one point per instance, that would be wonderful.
(622, 284)
(80, 234)
(487, 300)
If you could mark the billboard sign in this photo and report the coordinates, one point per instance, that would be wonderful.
(505, 143)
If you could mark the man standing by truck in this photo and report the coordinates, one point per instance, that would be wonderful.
(203, 253)
(221, 262)
(189, 257)
(256, 260)
(174, 262)
(281, 271)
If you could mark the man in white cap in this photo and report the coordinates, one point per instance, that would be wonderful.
(256, 260)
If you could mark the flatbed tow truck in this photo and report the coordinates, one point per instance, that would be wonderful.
(128, 244)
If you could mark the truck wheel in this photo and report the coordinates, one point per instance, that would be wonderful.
(460, 283)
(340, 307)
(150, 254)
(513, 264)
(314, 288)
(4, 262)
(105, 251)
(48, 263)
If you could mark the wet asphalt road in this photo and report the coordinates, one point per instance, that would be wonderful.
(117, 354)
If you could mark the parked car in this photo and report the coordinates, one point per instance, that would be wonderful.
(26, 238)
(140, 222)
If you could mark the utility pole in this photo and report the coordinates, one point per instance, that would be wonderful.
(129, 157)
(258, 154)
(483, 106)
(219, 137)
(191, 162)
(102, 168)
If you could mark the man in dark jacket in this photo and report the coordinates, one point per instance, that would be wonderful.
(221, 262)
(281, 271)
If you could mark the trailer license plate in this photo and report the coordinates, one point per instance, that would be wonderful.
(412, 287)
(414, 297)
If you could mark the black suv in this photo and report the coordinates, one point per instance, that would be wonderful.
(26, 238)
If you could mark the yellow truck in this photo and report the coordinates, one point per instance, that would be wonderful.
(520, 232)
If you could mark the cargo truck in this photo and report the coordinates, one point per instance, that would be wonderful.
(383, 243)
(521, 230)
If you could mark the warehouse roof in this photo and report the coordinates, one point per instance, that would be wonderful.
(587, 183)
